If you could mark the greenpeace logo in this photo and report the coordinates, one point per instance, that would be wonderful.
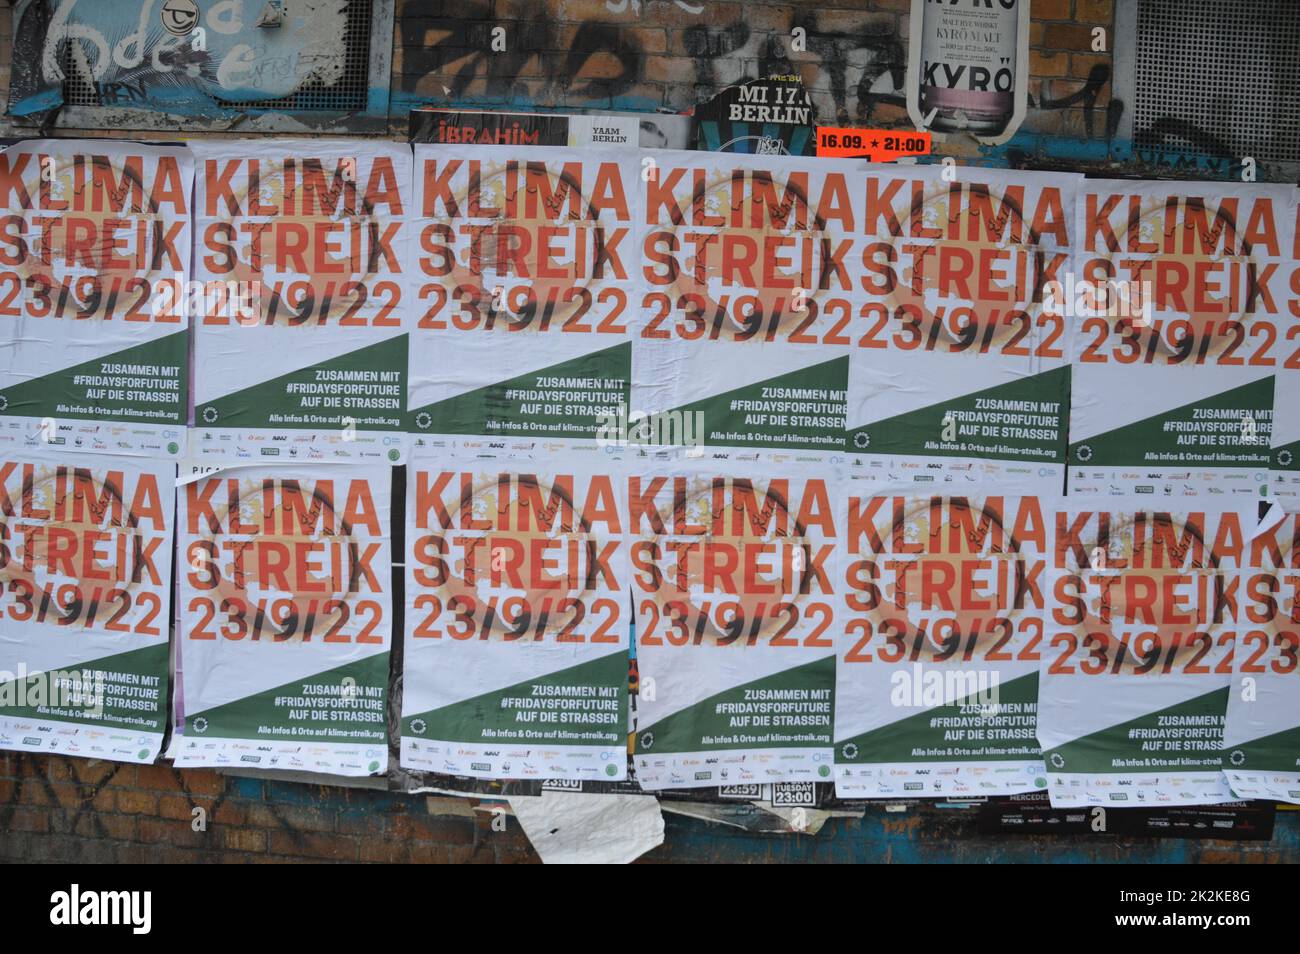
(76, 907)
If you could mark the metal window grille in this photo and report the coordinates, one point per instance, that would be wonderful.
(348, 93)
(1219, 77)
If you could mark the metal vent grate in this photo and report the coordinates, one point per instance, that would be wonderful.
(78, 81)
(1221, 77)
(346, 94)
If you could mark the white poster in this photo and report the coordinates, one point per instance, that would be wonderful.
(1261, 738)
(85, 602)
(527, 264)
(959, 375)
(733, 568)
(301, 348)
(1142, 620)
(516, 662)
(1184, 303)
(95, 240)
(285, 619)
(937, 677)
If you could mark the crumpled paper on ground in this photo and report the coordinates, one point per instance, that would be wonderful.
(584, 828)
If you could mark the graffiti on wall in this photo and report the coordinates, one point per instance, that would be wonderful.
(600, 62)
(179, 58)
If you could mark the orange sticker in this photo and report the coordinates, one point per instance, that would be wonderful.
(878, 145)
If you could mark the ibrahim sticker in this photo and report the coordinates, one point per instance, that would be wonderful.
(179, 16)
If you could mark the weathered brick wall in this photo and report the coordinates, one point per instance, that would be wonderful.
(64, 809)
(663, 55)
(75, 810)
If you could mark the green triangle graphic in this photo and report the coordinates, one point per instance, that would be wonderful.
(821, 428)
(920, 432)
(916, 739)
(1286, 457)
(702, 728)
(490, 716)
(496, 410)
(1278, 752)
(1129, 445)
(58, 395)
(1093, 754)
(119, 669)
(256, 406)
(246, 718)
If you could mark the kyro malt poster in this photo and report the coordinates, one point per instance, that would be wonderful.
(1261, 736)
(302, 354)
(1143, 619)
(1185, 302)
(733, 581)
(959, 368)
(941, 606)
(526, 264)
(516, 643)
(95, 291)
(285, 619)
(85, 601)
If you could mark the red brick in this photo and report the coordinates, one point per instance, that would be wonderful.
(203, 783)
(1051, 10)
(29, 819)
(1095, 11)
(137, 803)
(242, 839)
(159, 778)
(383, 851)
(1048, 64)
(294, 818)
(1067, 36)
(99, 825)
(1081, 64)
(177, 834)
(470, 854)
(97, 773)
(307, 845)
(228, 813)
(668, 69)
